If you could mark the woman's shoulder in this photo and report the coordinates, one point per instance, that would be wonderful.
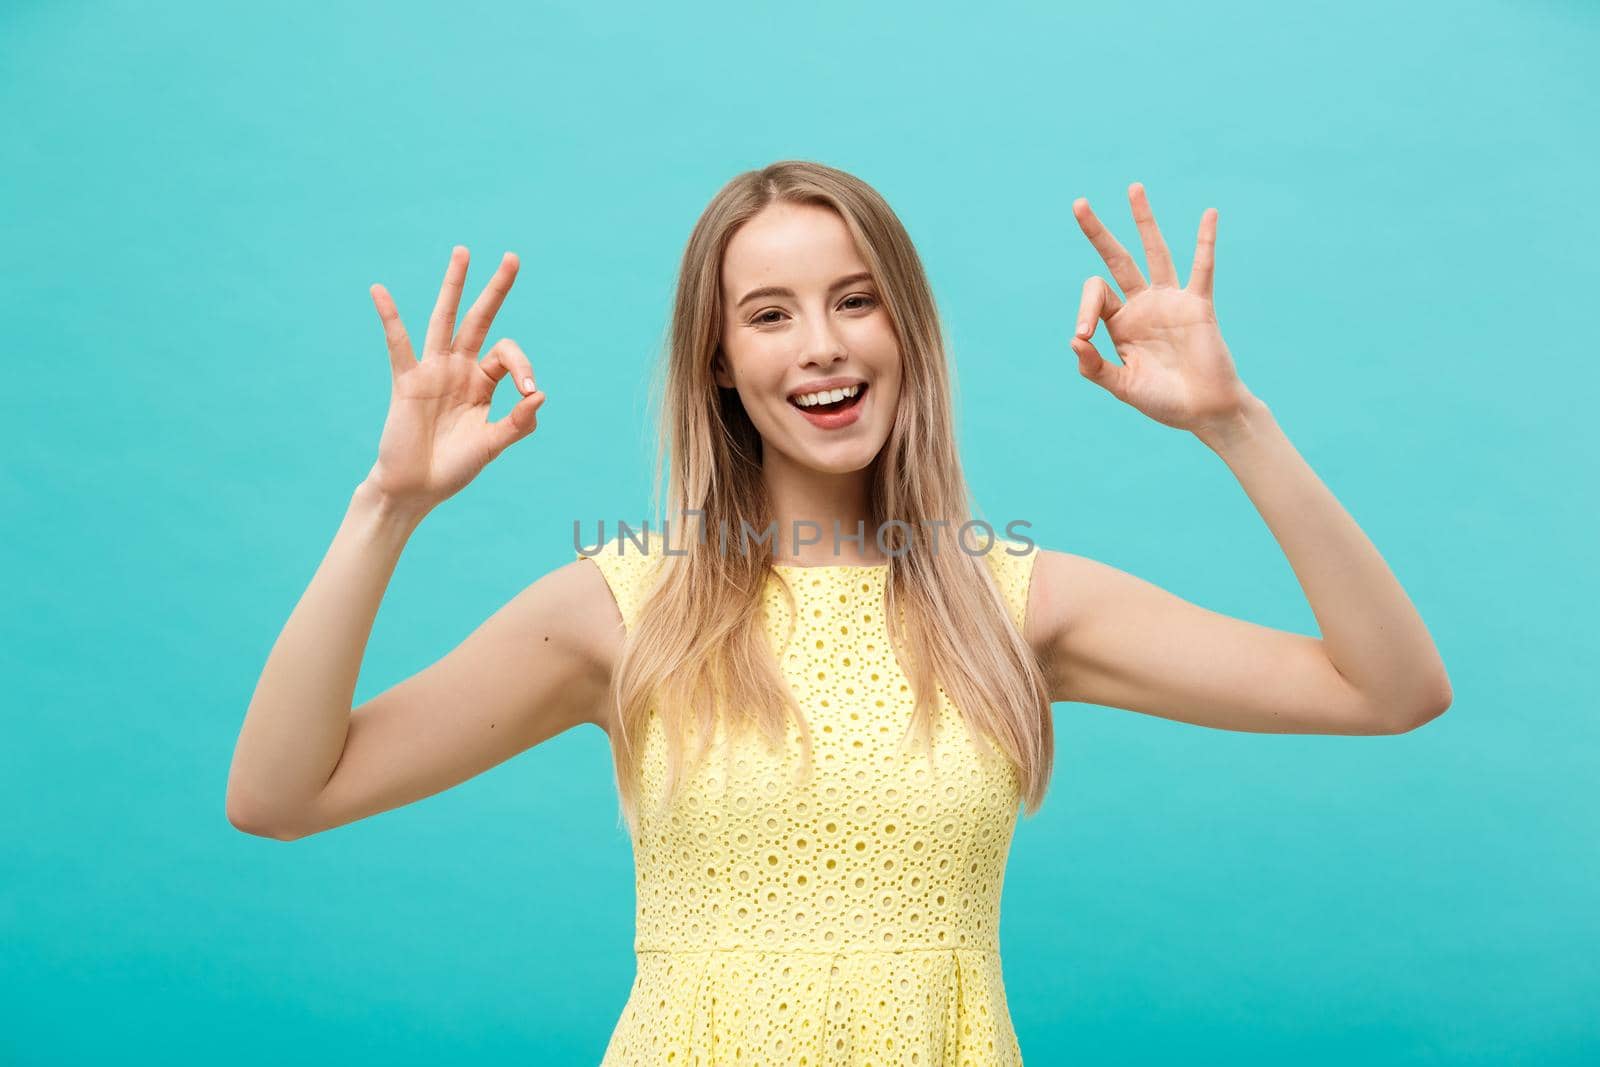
(627, 568)
(1064, 588)
(1011, 555)
(1047, 588)
(1011, 562)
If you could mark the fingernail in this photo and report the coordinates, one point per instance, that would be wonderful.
(1083, 328)
(527, 385)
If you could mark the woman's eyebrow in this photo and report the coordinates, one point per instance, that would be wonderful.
(778, 290)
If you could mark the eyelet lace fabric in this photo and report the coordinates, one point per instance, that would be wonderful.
(848, 917)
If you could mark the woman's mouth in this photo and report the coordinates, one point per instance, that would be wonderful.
(833, 414)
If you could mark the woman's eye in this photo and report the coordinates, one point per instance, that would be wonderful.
(763, 320)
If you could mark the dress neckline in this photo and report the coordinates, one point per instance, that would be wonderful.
(828, 566)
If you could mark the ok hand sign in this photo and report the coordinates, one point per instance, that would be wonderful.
(1175, 367)
(437, 437)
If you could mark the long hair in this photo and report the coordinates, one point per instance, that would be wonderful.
(698, 649)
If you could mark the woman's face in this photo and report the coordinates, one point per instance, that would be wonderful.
(803, 314)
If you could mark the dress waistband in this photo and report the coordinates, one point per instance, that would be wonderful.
(843, 950)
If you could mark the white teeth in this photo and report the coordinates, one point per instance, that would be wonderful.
(827, 396)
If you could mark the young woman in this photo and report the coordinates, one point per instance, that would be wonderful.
(820, 803)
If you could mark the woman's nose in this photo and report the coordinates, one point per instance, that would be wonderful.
(822, 346)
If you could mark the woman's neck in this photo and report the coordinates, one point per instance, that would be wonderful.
(830, 511)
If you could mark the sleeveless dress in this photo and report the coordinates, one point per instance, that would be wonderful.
(851, 917)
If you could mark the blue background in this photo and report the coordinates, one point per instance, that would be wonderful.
(195, 198)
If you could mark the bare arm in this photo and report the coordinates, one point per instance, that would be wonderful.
(294, 729)
(299, 730)
(1109, 638)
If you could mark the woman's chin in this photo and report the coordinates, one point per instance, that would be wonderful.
(844, 458)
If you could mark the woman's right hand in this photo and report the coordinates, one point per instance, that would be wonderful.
(437, 436)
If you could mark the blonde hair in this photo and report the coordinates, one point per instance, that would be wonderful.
(698, 644)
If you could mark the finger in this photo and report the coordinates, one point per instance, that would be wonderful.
(1205, 255)
(1156, 256)
(443, 323)
(1122, 266)
(518, 423)
(1098, 302)
(480, 316)
(401, 358)
(507, 357)
(1092, 366)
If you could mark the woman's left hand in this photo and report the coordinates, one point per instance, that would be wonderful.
(1175, 367)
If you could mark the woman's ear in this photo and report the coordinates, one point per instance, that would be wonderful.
(719, 370)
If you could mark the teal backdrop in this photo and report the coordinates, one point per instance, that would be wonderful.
(196, 197)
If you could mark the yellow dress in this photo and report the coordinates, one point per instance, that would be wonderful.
(852, 918)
